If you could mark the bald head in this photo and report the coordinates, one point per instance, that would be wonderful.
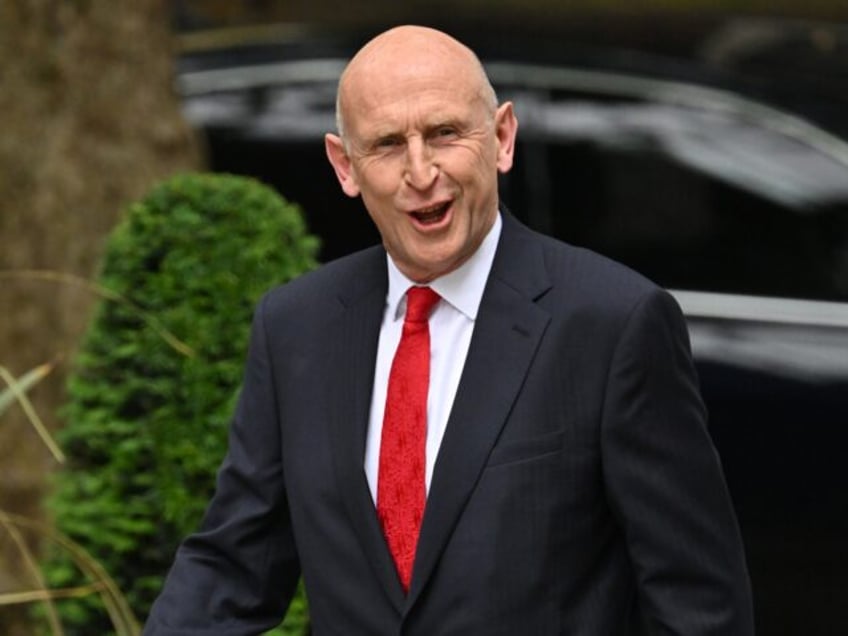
(407, 52)
(424, 141)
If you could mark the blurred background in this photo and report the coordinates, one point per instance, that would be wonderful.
(704, 143)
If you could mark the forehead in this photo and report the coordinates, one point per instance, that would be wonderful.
(391, 94)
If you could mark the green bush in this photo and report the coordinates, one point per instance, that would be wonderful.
(146, 423)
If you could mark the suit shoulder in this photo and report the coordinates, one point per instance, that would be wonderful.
(589, 289)
(319, 290)
(591, 274)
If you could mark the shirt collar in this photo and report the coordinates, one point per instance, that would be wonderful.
(462, 288)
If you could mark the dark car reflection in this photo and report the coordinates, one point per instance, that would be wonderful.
(737, 205)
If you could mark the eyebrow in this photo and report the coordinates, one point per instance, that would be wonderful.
(450, 121)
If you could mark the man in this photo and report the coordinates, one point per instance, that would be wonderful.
(570, 483)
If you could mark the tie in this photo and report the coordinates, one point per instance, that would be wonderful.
(400, 481)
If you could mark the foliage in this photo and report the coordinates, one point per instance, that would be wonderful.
(145, 422)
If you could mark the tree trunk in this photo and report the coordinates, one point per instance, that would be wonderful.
(89, 122)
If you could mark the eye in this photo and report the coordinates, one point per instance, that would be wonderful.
(386, 142)
(443, 134)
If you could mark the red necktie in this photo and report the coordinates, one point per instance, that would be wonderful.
(400, 482)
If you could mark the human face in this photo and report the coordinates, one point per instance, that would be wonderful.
(423, 148)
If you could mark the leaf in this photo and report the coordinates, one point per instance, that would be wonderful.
(8, 396)
(14, 387)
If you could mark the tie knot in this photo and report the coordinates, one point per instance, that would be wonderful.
(419, 303)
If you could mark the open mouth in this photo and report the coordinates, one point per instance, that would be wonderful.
(432, 214)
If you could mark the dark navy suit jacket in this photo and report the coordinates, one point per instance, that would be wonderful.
(576, 490)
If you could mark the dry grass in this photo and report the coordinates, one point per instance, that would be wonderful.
(98, 580)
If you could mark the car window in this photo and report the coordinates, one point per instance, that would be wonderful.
(720, 199)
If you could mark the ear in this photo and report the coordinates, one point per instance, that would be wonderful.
(340, 161)
(506, 128)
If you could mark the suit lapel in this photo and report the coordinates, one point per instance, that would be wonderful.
(352, 350)
(506, 335)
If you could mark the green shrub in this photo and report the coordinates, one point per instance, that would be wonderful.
(145, 423)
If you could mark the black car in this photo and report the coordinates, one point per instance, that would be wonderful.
(721, 174)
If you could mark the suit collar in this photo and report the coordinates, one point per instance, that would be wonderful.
(520, 262)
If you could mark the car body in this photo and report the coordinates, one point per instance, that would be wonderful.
(726, 186)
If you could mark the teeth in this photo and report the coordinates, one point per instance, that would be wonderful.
(431, 210)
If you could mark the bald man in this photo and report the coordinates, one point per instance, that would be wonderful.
(553, 476)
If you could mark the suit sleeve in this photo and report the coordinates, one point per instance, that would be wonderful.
(237, 574)
(665, 483)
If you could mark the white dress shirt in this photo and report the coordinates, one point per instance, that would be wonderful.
(451, 326)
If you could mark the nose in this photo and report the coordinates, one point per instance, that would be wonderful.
(420, 170)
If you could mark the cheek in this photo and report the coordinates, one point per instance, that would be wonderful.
(378, 179)
(382, 213)
(472, 165)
